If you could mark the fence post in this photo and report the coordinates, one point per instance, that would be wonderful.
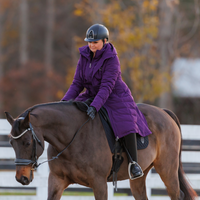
(148, 189)
(110, 191)
(43, 173)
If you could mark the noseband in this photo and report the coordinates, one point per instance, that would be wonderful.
(34, 158)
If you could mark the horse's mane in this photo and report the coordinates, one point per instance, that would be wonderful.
(57, 103)
(80, 105)
(16, 124)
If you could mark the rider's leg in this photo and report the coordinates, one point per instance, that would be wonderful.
(134, 169)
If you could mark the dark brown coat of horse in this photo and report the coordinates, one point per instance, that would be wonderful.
(88, 160)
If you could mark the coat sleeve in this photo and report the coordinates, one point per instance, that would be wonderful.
(109, 77)
(76, 86)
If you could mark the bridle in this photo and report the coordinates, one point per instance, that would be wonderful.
(34, 158)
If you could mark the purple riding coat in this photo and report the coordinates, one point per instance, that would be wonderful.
(101, 77)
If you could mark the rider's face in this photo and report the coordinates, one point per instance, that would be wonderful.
(94, 46)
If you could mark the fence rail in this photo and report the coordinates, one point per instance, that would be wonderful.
(190, 159)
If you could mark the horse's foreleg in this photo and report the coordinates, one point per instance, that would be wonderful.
(56, 187)
(100, 189)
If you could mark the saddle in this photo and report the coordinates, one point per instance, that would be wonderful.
(142, 142)
(116, 146)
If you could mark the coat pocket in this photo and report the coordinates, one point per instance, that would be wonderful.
(98, 74)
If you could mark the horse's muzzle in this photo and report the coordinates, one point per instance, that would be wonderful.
(24, 175)
(23, 180)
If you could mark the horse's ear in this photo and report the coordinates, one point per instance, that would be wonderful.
(25, 121)
(9, 118)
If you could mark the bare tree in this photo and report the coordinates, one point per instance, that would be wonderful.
(167, 14)
(23, 32)
(49, 44)
(1, 64)
(172, 38)
(49, 35)
(98, 18)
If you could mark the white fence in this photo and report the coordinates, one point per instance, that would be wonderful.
(7, 178)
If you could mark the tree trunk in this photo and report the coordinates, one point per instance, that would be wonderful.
(1, 59)
(98, 17)
(165, 34)
(1, 66)
(49, 46)
(24, 32)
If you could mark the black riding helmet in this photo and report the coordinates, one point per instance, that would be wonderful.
(96, 32)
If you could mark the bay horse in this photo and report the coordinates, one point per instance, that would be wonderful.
(88, 159)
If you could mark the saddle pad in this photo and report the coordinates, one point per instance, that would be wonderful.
(142, 142)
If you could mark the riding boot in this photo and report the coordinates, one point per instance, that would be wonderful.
(134, 169)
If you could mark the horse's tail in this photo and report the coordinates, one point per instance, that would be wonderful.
(173, 116)
(189, 193)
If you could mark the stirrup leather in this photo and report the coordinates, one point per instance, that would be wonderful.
(129, 170)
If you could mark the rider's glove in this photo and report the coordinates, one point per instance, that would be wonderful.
(91, 111)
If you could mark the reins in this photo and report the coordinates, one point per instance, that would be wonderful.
(55, 157)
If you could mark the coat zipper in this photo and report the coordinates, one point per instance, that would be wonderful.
(90, 65)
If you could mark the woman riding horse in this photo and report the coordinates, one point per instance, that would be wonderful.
(98, 71)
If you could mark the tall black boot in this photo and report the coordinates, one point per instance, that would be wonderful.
(134, 169)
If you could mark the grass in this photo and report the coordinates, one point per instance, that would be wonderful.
(64, 193)
(88, 194)
(17, 193)
(78, 193)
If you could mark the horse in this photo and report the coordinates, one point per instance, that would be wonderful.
(83, 155)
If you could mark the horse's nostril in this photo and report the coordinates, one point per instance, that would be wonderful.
(24, 180)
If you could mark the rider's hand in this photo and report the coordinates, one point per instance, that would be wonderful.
(91, 111)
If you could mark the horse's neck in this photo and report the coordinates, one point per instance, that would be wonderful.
(58, 126)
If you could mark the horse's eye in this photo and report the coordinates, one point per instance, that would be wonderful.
(26, 143)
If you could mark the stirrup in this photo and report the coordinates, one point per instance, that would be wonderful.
(129, 170)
